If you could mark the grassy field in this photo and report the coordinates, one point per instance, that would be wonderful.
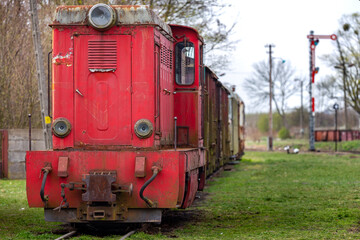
(267, 196)
(303, 145)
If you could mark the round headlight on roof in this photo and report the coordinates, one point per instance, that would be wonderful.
(61, 127)
(143, 128)
(101, 16)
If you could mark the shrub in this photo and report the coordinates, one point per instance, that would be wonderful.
(284, 133)
(263, 123)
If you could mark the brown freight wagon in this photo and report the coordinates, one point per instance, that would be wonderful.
(339, 135)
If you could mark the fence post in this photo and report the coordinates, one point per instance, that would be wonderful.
(4, 153)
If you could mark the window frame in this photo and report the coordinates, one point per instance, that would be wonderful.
(177, 64)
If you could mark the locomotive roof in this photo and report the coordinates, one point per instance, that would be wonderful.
(232, 93)
(125, 14)
(217, 79)
(190, 28)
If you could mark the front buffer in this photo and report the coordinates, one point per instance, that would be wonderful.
(124, 186)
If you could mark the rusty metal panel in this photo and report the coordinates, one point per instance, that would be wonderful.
(188, 104)
(217, 118)
(182, 136)
(212, 129)
(165, 91)
(143, 83)
(102, 102)
(317, 136)
(345, 136)
(98, 186)
(63, 167)
(165, 189)
(332, 135)
(4, 153)
(140, 167)
(193, 160)
(133, 215)
(135, 15)
(71, 78)
(102, 55)
(192, 186)
(63, 82)
(225, 125)
(186, 111)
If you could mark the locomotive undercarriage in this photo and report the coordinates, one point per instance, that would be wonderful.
(112, 213)
(129, 190)
(99, 198)
(101, 202)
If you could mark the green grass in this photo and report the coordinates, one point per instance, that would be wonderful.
(17, 220)
(281, 196)
(267, 196)
(303, 145)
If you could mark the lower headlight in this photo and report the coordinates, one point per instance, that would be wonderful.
(61, 127)
(101, 16)
(143, 128)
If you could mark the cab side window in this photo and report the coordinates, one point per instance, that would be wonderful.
(184, 63)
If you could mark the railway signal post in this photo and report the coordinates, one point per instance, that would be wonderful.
(314, 40)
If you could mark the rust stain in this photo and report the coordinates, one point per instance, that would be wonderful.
(66, 59)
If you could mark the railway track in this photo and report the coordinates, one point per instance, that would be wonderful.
(68, 235)
(73, 233)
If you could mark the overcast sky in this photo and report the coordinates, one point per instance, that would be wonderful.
(284, 23)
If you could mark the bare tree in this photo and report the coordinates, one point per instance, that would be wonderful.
(202, 15)
(18, 84)
(347, 60)
(18, 88)
(257, 86)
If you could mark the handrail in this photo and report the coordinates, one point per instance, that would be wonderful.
(150, 203)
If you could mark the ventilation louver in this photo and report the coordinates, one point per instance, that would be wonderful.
(102, 56)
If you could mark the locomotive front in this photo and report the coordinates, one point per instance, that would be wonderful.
(113, 120)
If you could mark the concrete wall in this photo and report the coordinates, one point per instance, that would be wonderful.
(18, 145)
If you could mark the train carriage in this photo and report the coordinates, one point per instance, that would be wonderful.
(236, 123)
(131, 118)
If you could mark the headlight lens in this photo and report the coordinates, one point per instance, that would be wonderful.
(61, 127)
(101, 16)
(143, 128)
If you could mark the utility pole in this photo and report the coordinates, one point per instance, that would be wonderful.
(301, 111)
(270, 139)
(313, 42)
(43, 93)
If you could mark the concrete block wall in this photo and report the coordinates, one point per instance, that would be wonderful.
(18, 145)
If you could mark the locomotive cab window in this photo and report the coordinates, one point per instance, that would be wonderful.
(184, 63)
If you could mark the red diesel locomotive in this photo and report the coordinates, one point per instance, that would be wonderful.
(138, 121)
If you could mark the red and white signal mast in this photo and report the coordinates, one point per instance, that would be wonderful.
(314, 41)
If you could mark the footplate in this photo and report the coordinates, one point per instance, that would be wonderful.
(98, 186)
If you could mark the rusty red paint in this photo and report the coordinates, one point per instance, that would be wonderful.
(103, 83)
(63, 167)
(328, 135)
(191, 188)
(139, 15)
(96, 180)
(164, 189)
(4, 152)
(140, 167)
(188, 102)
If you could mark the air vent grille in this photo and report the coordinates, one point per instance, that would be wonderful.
(102, 56)
(166, 57)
